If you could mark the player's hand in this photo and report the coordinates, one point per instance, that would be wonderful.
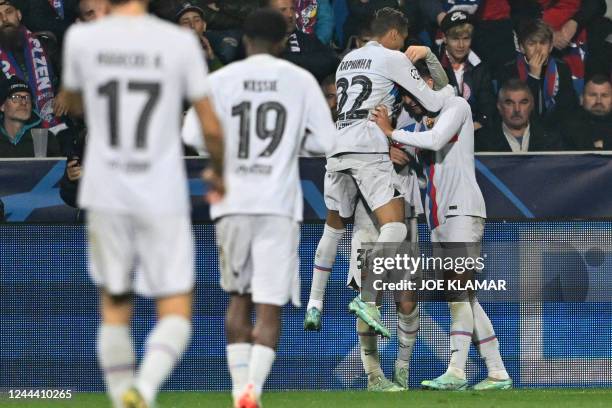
(380, 115)
(216, 186)
(535, 64)
(417, 52)
(477, 125)
(73, 170)
(398, 156)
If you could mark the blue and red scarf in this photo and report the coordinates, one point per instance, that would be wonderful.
(58, 6)
(551, 78)
(39, 75)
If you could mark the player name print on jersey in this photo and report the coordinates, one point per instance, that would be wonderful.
(129, 60)
(260, 86)
(355, 64)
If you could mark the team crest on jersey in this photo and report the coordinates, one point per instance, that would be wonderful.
(414, 73)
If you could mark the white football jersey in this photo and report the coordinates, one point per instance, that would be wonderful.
(447, 154)
(368, 77)
(270, 110)
(134, 73)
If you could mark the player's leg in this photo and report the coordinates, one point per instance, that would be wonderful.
(323, 263)
(274, 282)
(379, 187)
(449, 240)
(111, 258)
(238, 332)
(340, 195)
(488, 346)
(234, 240)
(166, 253)
(115, 350)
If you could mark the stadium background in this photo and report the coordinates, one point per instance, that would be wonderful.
(48, 315)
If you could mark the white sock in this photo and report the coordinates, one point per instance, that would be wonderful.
(262, 358)
(165, 345)
(323, 263)
(116, 357)
(407, 329)
(238, 358)
(487, 343)
(368, 344)
(462, 327)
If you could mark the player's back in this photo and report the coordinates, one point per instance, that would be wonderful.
(265, 105)
(134, 74)
(363, 81)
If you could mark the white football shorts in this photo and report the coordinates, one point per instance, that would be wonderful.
(258, 254)
(150, 255)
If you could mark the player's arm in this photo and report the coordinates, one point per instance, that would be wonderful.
(320, 127)
(212, 132)
(402, 72)
(436, 70)
(69, 100)
(447, 125)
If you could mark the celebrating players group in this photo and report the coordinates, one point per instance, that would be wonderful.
(130, 72)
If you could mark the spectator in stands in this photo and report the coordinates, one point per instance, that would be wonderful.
(591, 127)
(599, 33)
(191, 16)
(22, 55)
(361, 13)
(466, 72)
(548, 78)
(362, 37)
(316, 17)
(17, 118)
(48, 15)
(328, 86)
(303, 49)
(518, 130)
(91, 10)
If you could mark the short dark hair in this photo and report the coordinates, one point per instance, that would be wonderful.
(266, 24)
(514, 85)
(534, 28)
(598, 79)
(329, 80)
(422, 69)
(387, 19)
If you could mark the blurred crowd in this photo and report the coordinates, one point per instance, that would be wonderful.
(536, 73)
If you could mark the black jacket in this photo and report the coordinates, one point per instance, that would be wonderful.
(313, 56)
(477, 86)
(581, 130)
(566, 101)
(492, 139)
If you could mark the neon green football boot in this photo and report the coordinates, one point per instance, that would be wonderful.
(493, 384)
(370, 314)
(445, 382)
(312, 320)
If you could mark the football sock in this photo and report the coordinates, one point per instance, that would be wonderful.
(165, 345)
(262, 358)
(462, 327)
(238, 358)
(323, 263)
(369, 349)
(407, 329)
(487, 343)
(116, 357)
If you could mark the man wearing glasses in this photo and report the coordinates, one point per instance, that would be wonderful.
(17, 118)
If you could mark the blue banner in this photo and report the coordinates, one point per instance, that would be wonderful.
(514, 186)
(49, 319)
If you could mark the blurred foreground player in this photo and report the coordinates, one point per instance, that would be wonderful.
(271, 110)
(455, 212)
(132, 72)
